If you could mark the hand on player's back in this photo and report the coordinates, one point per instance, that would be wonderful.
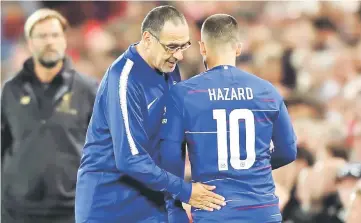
(202, 197)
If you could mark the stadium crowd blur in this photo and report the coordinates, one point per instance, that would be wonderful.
(310, 50)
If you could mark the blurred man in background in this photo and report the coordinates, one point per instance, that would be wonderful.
(45, 110)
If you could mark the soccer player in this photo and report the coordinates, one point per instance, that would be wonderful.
(118, 167)
(228, 118)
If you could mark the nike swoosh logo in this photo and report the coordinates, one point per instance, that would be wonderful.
(150, 104)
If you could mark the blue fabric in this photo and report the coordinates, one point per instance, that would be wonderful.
(118, 170)
(228, 118)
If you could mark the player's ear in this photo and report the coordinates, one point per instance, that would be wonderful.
(239, 49)
(202, 48)
(146, 37)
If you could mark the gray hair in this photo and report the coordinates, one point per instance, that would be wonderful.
(157, 17)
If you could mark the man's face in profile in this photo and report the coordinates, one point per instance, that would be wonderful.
(167, 49)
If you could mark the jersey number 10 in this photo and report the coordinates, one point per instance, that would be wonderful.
(220, 116)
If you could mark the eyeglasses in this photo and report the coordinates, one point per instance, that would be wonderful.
(172, 48)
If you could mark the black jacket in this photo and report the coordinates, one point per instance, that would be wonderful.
(43, 131)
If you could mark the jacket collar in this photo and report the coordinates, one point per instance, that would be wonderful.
(65, 74)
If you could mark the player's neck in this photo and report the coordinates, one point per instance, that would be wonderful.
(221, 60)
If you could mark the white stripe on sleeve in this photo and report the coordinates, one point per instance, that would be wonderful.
(123, 83)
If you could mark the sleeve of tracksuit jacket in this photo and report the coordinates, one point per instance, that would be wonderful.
(125, 114)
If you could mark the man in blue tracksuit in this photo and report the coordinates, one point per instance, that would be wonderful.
(228, 118)
(118, 176)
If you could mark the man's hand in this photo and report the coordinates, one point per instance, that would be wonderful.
(203, 198)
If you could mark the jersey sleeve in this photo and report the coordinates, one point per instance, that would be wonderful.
(125, 120)
(284, 140)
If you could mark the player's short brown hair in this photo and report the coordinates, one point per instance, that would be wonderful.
(42, 15)
(220, 28)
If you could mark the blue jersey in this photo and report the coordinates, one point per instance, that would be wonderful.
(118, 167)
(228, 119)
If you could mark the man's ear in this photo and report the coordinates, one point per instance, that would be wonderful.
(202, 48)
(146, 38)
(239, 49)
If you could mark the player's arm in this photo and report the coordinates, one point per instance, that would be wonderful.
(284, 140)
(125, 114)
(125, 120)
(172, 159)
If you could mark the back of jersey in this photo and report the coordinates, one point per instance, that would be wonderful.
(229, 117)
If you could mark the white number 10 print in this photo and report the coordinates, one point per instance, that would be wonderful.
(222, 143)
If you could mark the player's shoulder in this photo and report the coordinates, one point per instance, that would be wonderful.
(253, 77)
(261, 83)
(197, 77)
(118, 65)
(192, 81)
(123, 68)
(179, 89)
(184, 86)
(118, 76)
